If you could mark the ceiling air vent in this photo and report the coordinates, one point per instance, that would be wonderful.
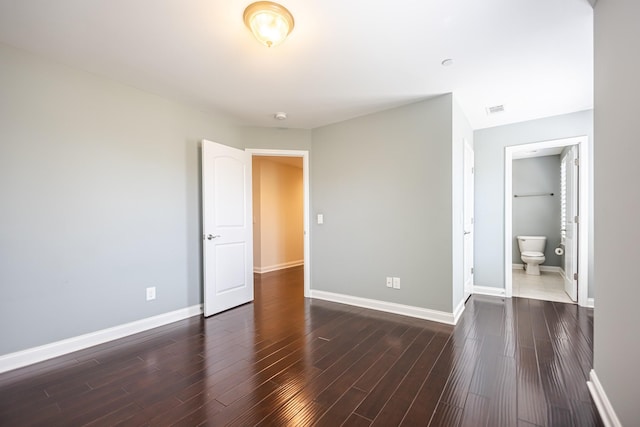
(495, 109)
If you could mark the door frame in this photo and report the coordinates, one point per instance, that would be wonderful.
(583, 208)
(305, 185)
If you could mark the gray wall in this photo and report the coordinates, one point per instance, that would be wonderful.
(383, 183)
(617, 316)
(92, 171)
(100, 190)
(537, 216)
(489, 180)
(276, 138)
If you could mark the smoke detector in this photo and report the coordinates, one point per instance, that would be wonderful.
(495, 109)
(280, 116)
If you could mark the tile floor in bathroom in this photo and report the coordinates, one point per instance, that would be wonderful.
(549, 286)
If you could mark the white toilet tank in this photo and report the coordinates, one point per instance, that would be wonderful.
(532, 243)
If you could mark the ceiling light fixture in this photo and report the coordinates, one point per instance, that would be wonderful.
(280, 115)
(269, 22)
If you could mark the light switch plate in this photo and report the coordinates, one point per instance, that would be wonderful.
(320, 219)
(396, 283)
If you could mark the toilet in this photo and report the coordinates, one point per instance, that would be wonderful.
(532, 252)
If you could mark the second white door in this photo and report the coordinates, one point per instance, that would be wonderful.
(468, 219)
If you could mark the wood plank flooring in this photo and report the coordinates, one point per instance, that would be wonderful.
(289, 361)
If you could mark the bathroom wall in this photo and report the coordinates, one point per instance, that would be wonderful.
(539, 215)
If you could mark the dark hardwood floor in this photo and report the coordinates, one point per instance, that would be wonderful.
(286, 360)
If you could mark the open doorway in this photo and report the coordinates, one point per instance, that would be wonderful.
(563, 240)
(281, 212)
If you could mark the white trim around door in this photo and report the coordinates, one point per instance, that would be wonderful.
(583, 191)
(305, 183)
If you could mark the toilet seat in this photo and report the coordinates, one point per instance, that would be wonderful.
(532, 254)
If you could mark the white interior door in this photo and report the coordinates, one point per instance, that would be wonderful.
(571, 225)
(227, 227)
(468, 219)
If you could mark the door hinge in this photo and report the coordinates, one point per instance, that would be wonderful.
(575, 276)
(576, 219)
(471, 220)
(472, 170)
(576, 162)
(471, 270)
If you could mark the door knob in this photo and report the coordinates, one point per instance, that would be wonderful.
(467, 232)
(211, 236)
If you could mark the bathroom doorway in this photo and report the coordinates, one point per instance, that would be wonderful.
(534, 205)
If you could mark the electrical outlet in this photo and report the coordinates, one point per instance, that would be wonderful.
(396, 283)
(151, 293)
(389, 282)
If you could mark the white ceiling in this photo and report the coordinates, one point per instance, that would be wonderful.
(343, 58)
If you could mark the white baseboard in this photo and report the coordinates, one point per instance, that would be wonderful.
(608, 415)
(591, 303)
(389, 307)
(550, 268)
(488, 290)
(276, 267)
(33, 355)
(458, 312)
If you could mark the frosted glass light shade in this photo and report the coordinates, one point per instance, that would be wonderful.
(269, 22)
